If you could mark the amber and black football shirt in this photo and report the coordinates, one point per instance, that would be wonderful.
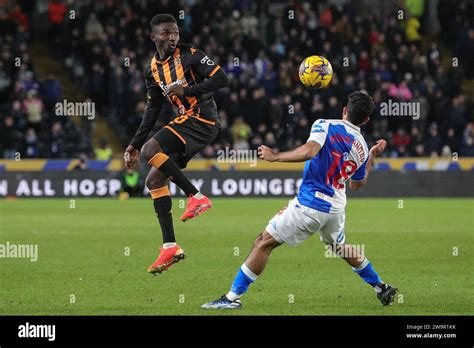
(196, 72)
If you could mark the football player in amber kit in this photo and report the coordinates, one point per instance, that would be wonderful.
(186, 77)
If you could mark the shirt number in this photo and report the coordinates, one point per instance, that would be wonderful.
(344, 170)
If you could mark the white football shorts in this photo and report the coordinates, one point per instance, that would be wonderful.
(296, 223)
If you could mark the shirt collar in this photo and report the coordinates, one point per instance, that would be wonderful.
(158, 60)
(351, 125)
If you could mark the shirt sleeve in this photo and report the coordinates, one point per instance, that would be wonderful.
(154, 94)
(359, 174)
(204, 65)
(213, 75)
(154, 102)
(319, 132)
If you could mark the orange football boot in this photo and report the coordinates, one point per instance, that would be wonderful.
(195, 207)
(167, 258)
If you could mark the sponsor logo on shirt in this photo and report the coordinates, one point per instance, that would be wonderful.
(317, 128)
(166, 87)
(207, 60)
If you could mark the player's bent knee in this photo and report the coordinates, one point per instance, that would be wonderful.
(145, 152)
(265, 242)
(150, 149)
(155, 180)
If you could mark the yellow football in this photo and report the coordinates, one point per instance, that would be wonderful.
(315, 72)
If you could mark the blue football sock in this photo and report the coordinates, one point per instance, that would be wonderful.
(241, 283)
(367, 273)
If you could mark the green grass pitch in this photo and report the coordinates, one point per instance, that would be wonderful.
(425, 248)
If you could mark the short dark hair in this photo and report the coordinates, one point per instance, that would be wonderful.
(359, 106)
(162, 18)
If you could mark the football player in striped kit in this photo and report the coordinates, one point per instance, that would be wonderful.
(185, 77)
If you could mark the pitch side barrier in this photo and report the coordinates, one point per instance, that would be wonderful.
(238, 164)
(101, 183)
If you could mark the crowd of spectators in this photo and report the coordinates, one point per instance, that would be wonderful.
(29, 127)
(260, 45)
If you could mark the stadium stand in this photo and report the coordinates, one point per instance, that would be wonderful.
(29, 126)
(265, 103)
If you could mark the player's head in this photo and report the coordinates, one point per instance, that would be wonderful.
(164, 32)
(359, 108)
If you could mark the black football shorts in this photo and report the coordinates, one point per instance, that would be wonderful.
(185, 136)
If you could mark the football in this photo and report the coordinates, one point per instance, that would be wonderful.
(315, 72)
(265, 123)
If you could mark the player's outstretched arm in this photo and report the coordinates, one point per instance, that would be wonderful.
(152, 111)
(132, 152)
(213, 77)
(218, 80)
(375, 150)
(300, 154)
